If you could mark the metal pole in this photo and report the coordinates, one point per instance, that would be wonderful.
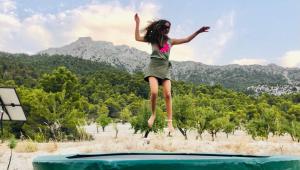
(1, 120)
(1, 123)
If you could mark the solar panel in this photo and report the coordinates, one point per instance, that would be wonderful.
(10, 105)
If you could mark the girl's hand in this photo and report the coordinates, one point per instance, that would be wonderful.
(137, 18)
(203, 29)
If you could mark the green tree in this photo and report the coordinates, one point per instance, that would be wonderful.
(51, 114)
(228, 124)
(140, 121)
(125, 115)
(103, 121)
(267, 119)
(216, 123)
(294, 112)
(216, 118)
(183, 112)
(103, 110)
(200, 122)
(61, 79)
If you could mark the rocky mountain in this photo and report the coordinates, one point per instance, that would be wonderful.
(120, 56)
(239, 77)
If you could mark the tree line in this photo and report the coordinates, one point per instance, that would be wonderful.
(61, 94)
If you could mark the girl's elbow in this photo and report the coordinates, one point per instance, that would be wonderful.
(187, 40)
(139, 39)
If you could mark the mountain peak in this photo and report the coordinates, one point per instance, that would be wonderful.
(85, 39)
(103, 51)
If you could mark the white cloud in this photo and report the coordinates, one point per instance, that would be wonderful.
(182, 53)
(23, 36)
(108, 22)
(206, 47)
(7, 6)
(249, 61)
(210, 46)
(290, 59)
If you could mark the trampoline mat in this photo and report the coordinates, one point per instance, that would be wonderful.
(160, 156)
(165, 161)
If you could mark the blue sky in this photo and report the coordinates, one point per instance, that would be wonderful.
(242, 32)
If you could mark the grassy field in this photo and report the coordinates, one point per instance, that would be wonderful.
(126, 141)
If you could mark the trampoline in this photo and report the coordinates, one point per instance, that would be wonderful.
(165, 161)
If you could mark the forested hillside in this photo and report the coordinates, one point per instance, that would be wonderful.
(60, 94)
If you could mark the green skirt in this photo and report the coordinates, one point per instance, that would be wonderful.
(159, 68)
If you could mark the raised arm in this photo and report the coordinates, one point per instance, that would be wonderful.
(138, 37)
(189, 38)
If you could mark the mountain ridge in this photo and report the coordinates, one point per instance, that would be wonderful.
(134, 60)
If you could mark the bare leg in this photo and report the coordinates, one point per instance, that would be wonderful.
(153, 82)
(168, 99)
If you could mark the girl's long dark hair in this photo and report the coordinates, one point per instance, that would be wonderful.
(154, 33)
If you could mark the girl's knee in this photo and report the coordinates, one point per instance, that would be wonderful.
(168, 95)
(154, 94)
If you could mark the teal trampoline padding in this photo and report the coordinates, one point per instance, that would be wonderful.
(165, 161)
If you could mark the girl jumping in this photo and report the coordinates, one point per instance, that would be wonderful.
(158, 71)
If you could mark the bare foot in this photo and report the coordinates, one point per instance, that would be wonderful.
(151, 120)
(170, 126)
